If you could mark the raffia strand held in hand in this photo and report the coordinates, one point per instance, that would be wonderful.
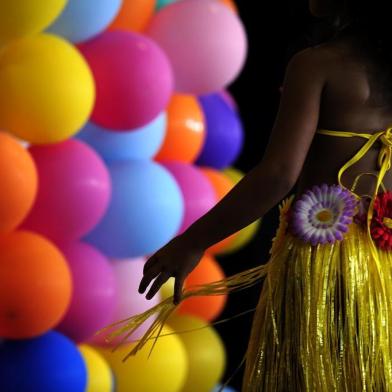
(165, 308)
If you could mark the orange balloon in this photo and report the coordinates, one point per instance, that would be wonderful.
(222, 185)
(19, 181)
(35, 285)
(186, 130)
(206, 307)
(134, 15)
(231, 4)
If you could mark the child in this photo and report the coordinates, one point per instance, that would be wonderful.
(324, 317)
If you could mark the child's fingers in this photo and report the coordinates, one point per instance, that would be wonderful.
(178, 288)
(148, 277)
(159, 281)
(151, 262)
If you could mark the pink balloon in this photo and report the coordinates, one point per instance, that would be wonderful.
(74, 190)
(205, 41)
(133, 77)
(94, 294)
(199, 195)
(128, 274)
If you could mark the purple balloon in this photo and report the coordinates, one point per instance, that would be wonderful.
(133, 76)
(74, 190)
(198, 193)
(205, 42)
(128, 274)
(225, 135)
(229, 99)
(94, 292)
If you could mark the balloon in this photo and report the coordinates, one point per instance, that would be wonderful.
(167, 289)
(225, 136)
(133, 76)
(198, 194)
(163, 3)
(83, 19)
(19, 182)
(205, 41)
(94, 294)
(142, 143)
(229, 99)
(205, 350)
(222, 185)
(207, 308)
(229, 3)
(35, 285)
(164, 371)
(145, 212)
(244, 236)
(134, 15)
(48, 363)
(185, 130)
(46, 79)
(128, 274)
(24, 17)
(99, 374)
(74, 190)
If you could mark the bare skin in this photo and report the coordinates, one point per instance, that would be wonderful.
(322, 8)
(349, 102)
(324, 87)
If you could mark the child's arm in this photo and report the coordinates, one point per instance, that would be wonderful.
(268, 182)
(263, 187)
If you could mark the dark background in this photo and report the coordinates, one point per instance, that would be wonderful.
(276, 30)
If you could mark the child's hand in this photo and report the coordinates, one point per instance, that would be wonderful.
(177, 258)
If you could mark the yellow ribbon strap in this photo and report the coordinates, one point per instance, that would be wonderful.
(384, 163)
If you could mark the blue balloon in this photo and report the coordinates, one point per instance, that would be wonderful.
(224, 136)
(142, 143)
(48, 363)
(145, 212)
(83, 19)
(163, 3)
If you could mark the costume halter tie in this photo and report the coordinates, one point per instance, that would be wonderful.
(384, 164)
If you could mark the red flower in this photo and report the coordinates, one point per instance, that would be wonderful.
(381, 224)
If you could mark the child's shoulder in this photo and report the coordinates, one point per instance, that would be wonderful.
(327, 61)
(325, 55)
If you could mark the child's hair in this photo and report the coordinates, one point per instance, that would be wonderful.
(369, 23)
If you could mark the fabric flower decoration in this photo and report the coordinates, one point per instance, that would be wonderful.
(323, 214)
(284, 209)
(381, 224)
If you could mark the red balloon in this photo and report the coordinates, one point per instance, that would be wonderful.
(186, 130)
(206, 307)
(19, 183)
(35, 285)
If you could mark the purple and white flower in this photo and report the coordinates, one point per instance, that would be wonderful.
(323, 214)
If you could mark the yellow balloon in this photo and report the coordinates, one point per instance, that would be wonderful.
(164, 371)
(23, 17)
(206, 353)
(99, 374)
(167, 289)
(47, 90)
(247, 233)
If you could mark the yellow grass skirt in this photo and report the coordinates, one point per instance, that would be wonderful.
(323, 321)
